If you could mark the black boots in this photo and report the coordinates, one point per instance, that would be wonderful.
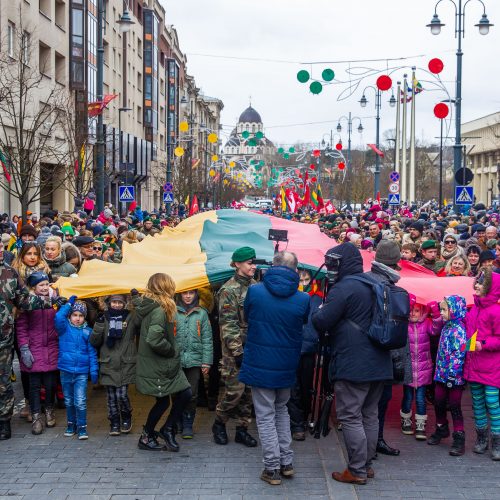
(126, 426)
(149, 441)
(5, 432)
(167, 432)
(458, 447)
(441, 432)
(385, 449)
(243, 437)
(187, 424)
(481, 444)
(114, 426)
(219, 431)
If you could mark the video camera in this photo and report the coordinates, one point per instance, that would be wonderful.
(332, 264)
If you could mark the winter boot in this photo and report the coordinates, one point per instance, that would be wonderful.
(167, 432)
(272, 477)
(114, 426)
(441, 432)
(406, 423)
(458, 447)
(149, 441)
(25, 412)
(187, 425)
(126, 422)
(5, 432)
(82, 433)
(70, 429)
(242, 436)
(219, 432)
(37, 424)
(420, 421)
(481, 444)
(50, 416)
(495, 447)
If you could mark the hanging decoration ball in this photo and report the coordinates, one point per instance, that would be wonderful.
(252, 143)
(291, 150)
(286, 156)
(441, 110)
(183, 126)
(212, 138)
(281, 151)
(245, 134)
(316, 88)
(232, 164)
(328, 75)
(436, 66)
(316, 153)
(384, 82)
(215, 158)
(338, 146)
(259, 135)
(313, 179)
(227, 170)
(179, 151)
(341, 165)
(312, 166)
(303, 76)
(262, 163)
(211, 173)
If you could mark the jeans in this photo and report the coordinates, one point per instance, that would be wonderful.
(419, 393)
(180, 401)
(36, 380)
(74, 387)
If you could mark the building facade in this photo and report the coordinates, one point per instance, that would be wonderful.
(482, 139)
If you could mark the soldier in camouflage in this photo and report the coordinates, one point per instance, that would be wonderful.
(12, 294)
(236, 400)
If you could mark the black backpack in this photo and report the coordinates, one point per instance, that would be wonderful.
(391, 309)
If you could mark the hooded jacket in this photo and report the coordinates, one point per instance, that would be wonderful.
(484, 318)
(450, 357)
(354, 357)
(276, 312)
(59, 267)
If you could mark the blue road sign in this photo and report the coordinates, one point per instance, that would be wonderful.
(168, 197)
(168, 187)
(464, 195)
(394, 199)
(394, 176)
(126, 193)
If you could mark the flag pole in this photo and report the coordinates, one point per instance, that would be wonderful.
(404, 179)
(412, 194)
(397, 166)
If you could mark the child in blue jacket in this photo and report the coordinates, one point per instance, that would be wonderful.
(76, 359)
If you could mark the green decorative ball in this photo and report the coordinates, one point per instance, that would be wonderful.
(303, 76)
(316, 87)
(245, 134)
(286, 156)
(259, 135)
(281, 151)
(252, 142)
(328, 75)
(291, 150)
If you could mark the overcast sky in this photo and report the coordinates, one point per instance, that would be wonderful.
(331, 30)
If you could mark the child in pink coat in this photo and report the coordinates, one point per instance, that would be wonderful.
(424, 322)
(482, 366)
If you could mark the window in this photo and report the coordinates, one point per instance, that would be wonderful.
(139, 81)
(60, 14)
(60, 69)
(25, 47)
(77, 27)
(44, 59)
(11, 36)
(139, 114)
(139, 47)
(44, 7)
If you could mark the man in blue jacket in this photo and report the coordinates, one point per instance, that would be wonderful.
(358, 368)
(275, 311)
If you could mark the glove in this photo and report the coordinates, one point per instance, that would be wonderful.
(94, 377)
(238, 360)
(72, 300)
(26, 356)
(100, 318)
(434, 309)
(134, 292)
(60, 301)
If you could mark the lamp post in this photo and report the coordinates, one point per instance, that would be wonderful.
(378, 104)
(350, 119)
(484, 27)
(120, 149)
(184, 104)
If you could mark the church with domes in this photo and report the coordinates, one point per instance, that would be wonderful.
(247, 141)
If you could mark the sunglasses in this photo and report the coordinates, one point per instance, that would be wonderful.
(450, 242)
(96, 248)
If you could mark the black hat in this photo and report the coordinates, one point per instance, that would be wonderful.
(28, 229)
(419, 226)
(81, 241)
(486, 255)
(388, 253)
(461, 228)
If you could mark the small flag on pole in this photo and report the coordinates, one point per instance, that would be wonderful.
(470, 345)
(3, 161)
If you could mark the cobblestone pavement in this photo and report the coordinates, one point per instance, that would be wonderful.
(104, 467)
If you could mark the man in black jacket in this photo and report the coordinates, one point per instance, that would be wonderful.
(358, 368)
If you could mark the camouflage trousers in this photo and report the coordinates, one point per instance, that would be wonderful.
(236, 399)
(6, 390)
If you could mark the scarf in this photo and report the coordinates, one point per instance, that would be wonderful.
(189, 307)
(448, 255)
(116, 320)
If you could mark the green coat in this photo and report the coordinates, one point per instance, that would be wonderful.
(159, 371)
(193, 335)
(117, 364)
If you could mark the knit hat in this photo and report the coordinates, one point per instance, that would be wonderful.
(418, 226)
(427, 245)
(67, 228)
(388, 253)
(28, 230)
(243, 254)
(108, 213)
(486, 255)
(491, 244)
(35, 278)
(81, 241)
(118, 297)
(80, 307)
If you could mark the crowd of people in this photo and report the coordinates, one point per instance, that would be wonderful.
(258, 341)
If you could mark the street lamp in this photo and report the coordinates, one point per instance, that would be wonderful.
(435, 26)
(125, 22)
(185, 103)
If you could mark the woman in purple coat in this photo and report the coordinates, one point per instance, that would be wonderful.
(420, 328)
(38, 342)
(482, 366)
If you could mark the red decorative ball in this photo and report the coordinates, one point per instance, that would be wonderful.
(338, 146)
(384, 82)
(300, 176)
(436, 66)
(441, 110)
(341, 165)
(313, 179)
(316, 153)
(312, 166)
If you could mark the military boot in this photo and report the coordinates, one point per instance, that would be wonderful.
(219, 432)
(242, 436)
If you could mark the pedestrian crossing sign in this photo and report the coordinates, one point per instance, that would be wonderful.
(126, 193)
(168, 197)
(394, 199)
(464, 195)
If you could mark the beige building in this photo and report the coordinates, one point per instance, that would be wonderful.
(482, 137)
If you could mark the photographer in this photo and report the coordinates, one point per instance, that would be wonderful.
(358, 368)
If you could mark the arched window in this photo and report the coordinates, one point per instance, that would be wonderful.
(247, 127)
(253, 129)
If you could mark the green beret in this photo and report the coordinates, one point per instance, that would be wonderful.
(147, 219)
(243, 254)
(426, 245)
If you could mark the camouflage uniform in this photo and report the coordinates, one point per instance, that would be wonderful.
(236, 400)
(12, 293)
